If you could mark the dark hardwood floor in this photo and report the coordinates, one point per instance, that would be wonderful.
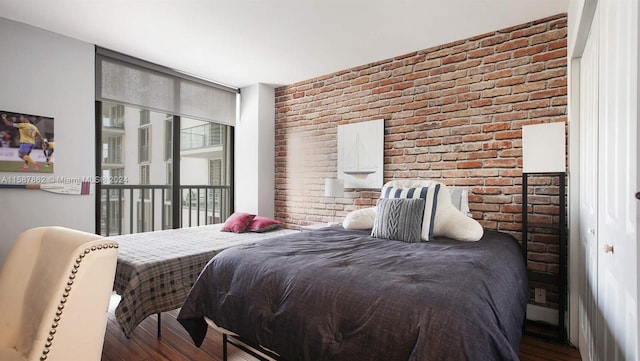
(175, 344)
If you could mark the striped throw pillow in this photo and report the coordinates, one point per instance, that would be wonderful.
(430, 196)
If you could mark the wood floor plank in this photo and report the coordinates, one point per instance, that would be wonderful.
(176, 345)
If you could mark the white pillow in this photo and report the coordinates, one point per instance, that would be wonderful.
(360, 219)
(460, 199)
(448, 221)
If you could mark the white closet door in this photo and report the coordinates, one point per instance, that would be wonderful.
(617, 181)
(587, 307)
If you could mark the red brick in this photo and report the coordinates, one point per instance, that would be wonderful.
(481, 103)
(534, 104)
(513, 44)
(416, 75)
(511, 99)
(415, 59)
(426, 65)
(491, 93)
(529, 87)
(392, 65)
(480, 53)
(560, 53)
(456, 90)
(549, 93)
(495, 127)
(501, 163)
(454, 75)
(549, 74)
(469, 164)
(557, 63)
(468, 96)
(494, 40)
(559, 101)
(469, 80)
(442, 69)
(508, 134)
(527, 69)
(558, 44)
(469, 64)
(438, 53)
(454, 58)
(531, 50)
(529, 31)
(482, 85)
(510, 81)
(482, 69)
(549, 36)
(442, 85)
(496, 58)
(498, 74)
(558, 82)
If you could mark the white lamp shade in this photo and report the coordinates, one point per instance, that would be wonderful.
(543, 148)
(333, 187)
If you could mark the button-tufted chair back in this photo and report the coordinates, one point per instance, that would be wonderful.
(55, 287)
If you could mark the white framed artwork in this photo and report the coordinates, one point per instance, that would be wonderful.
(361, 154)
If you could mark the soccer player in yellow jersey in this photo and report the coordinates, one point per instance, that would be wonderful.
(47, 148)
(28, 133)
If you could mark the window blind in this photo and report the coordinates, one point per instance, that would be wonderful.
(135, 82)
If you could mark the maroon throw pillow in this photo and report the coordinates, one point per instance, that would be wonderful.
(237, 222)
(263, 224)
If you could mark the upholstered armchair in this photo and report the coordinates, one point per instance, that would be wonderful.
(55, 286)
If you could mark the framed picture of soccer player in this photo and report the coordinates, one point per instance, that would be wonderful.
(26, 143)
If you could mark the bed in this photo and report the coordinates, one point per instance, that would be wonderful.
(155, 270)
(336, 294)
(414, 278)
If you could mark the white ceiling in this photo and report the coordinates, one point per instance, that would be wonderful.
(244, 42)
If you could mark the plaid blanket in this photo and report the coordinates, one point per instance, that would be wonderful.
(156, 270)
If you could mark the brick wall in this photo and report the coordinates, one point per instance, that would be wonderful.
(452, 113)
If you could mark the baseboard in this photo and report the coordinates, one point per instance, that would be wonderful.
(543, 314)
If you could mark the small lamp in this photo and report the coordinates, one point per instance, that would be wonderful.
(333, 187)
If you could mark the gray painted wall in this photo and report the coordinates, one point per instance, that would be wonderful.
(47, 74)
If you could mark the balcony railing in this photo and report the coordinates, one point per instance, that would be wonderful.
(115, 123)
(201, 136)
(142, 208)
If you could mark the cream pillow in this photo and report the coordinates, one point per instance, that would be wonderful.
(360, 219)
(447, 220)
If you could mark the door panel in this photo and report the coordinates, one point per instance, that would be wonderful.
(617, 163)
(587, 308)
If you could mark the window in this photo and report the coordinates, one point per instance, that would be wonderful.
(215, 134)
(168, 138)
(145, 178)
(112, 149)
(169, 171)
(144, 174)
(138, 96)
(144, 216)
(215, 171)
(145, 117)
(113, 116)
(143, 144)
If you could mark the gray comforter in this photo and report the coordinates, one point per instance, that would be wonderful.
(334, 294)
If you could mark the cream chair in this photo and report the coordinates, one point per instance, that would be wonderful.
(55, 287)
